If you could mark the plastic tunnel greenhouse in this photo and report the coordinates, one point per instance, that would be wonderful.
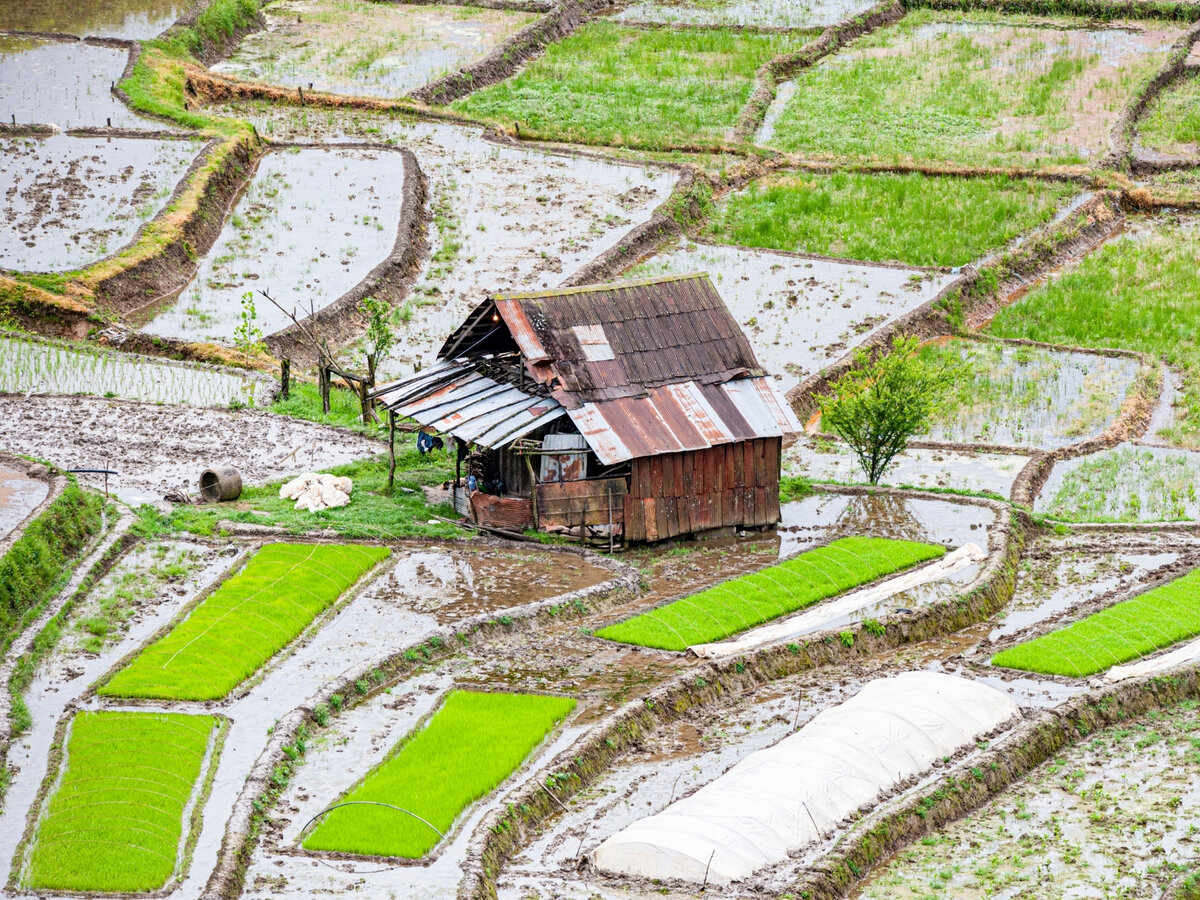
(784, 797)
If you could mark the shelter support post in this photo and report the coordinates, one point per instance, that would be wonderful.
(391, 448)
(285, 378)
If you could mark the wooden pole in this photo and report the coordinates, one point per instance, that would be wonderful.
(285, 377)
(610, 531)
(537, 525)
(391, 448)
(324, 379)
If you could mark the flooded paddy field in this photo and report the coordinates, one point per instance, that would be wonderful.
(1028, 396)
(504, 218)
(1112, 816)
(1118, 296)
(841, 302)
(70, 201)
(157, 448)
(134, 20)
(973, 89)
(367, 48)
(744, 13)
(285, 237)
(63, 83)
(32, 366)
(964, 470)
(1128, 483)
(20, 495)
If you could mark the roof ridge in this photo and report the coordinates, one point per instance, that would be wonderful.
(607, 286)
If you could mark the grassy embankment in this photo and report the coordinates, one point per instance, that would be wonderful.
(914, 219)
(750, 600)
(246, 621)
(1172, 123)
(1129, 630)
(471, 745)
(649, 88)
(994, 92)
(1136, 292)
(115, 820)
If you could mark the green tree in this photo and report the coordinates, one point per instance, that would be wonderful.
(883, 401)
(379, 340)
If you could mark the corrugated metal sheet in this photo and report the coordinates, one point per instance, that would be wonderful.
(684, 417)
(455, 399)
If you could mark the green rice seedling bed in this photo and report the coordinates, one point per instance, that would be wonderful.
(618, 85)
(1128, 630)
(246, 621)
(912, 218)
(1137, 292)
(1172, 123)
(971, 88)
(470, 745)
(741, 603)
(115, 819)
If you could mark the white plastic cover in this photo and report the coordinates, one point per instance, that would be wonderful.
(1180, 656)
(784, 797)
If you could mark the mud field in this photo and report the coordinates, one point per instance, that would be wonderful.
(850, 720)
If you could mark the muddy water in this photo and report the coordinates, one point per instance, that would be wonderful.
(504, 218)
(63, 84)
(761, 13)
(833, 461)
(1029, 396)
(453, 586)
(68, 202)
(1112, 817)
(1128, 483)
(1060, 573)
(28, 365)
(68, 673)
(800, 314)
(134, 20)
(783, 95)
(1165, 416)
(157, 448)
(19, 496)
(362, 48)
(310, 226)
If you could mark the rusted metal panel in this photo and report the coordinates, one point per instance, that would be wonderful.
(522, 330)
(564, 458)
(511, 513)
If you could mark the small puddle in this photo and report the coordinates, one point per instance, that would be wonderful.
(373, 49)
(504, 218)
(823, 460)
(31, 366)
(310, 226)
(19, 496)
(840, 303)
(63, 84)
(68, 202)
(1126, 483)
(760, 13)
(134, 20)
(1028, 396)
(784, 92)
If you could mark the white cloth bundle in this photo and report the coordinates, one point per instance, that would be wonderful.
(314, 491)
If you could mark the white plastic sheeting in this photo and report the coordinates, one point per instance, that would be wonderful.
(782, 798)
(1188, 653)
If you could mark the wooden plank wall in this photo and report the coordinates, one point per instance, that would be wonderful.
(735, 485)
(565, 503)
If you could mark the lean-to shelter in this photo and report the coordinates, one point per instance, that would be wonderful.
(630, 411)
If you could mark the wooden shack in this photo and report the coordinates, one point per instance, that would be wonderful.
(625, 412)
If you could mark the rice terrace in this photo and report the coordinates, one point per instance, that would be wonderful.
(600, 449)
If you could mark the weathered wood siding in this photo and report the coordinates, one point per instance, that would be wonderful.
(595, 501)
(735, 485)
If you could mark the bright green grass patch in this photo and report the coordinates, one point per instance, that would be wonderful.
(651, 88)
(913, 218)
(970, 89)
(1128, 630)
(1172, 124)
(1137, 292)
(734, 606)
(246, 621)
(115, 820)
(473, 742)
